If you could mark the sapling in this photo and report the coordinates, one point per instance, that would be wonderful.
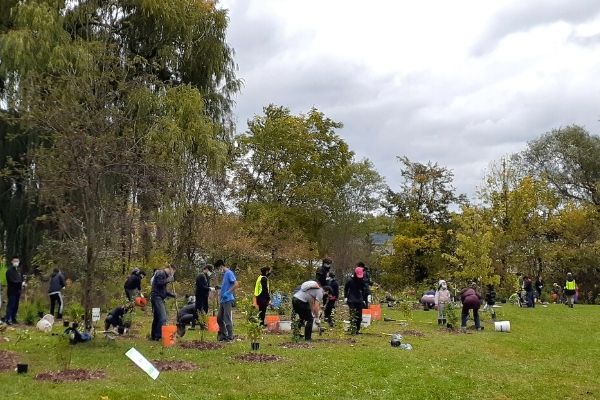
(451, 315)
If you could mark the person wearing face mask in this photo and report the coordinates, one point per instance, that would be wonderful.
(14, 283)
(262, 293)
(332, 298)
(354, 295)
(203, 289)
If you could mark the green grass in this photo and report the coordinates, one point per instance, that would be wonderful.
(551, 353)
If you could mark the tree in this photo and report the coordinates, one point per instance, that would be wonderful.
(569, 159)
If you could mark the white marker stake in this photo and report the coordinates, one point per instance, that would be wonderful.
(142, 362)
(95, 314)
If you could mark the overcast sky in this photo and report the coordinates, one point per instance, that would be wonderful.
(461, 83)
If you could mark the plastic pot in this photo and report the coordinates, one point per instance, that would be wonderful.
(255, 346)
(22, 368)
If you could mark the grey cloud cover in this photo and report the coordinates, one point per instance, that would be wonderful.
(463, 112)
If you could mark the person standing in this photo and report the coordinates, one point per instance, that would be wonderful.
(490, 300)
(354, 295)
(332, 298)
(471, 300)
(226, 297)
(539, 285)
(57, 283)
(529, 295)
(14, 285)
(133, 284)
(203, 289)
(441, 298)
(322, 271)
(262, 293)
(368, 283)
(570, 289)
(159, 293)
(306, 303)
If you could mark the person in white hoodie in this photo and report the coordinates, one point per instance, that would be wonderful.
(442, 297)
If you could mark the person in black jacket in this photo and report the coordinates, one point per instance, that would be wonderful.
(354, 294)
(14, 283)
(115, 318)
(133, 284)
(188, 315)
(332, 298)
(57, 283)
(322, 271)
(159, 293)
(261, 293)
(203, 289)
(367, 281)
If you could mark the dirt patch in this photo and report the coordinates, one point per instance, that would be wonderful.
(70, 375)
(336, 341)
(410, 332)
(456, 331)
(8, 360)
(166, 365)
(257, 358)
(293, 345)
(198, 345)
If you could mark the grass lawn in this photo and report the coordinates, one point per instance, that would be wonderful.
(551, 353)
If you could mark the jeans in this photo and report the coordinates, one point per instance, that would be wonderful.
(305, 315)
(530, 299)
(12, 307)
(225, 321)
(159, 317)
(329, 306)
(465, 315)
(202, 303)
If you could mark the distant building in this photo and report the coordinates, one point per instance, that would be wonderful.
(381, 243)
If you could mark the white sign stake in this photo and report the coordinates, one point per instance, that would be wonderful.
(142, 362)
(95, 314)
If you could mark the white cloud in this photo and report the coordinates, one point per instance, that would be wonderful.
(461, 83)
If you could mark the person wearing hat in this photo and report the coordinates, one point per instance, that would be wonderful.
(570, 289)
(367, 281)
(159, 293)
(322, 271)
(203, 289)
(262, 293)
(354, 297)
(133, 284)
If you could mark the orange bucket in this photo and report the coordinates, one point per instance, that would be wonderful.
(366, 312)
(213, 326)
(375, 311)
(169, 333)
(272, 322)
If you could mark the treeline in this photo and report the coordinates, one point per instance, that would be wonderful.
(117, 149)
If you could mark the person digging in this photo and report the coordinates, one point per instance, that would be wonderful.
(306, 304)
(188, 315)
(115, 318)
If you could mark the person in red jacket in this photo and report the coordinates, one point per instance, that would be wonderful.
(471, 300)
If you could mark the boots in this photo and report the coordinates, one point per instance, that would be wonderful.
(444, 322)
(440, 321)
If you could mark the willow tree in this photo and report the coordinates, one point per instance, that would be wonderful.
(125, 98)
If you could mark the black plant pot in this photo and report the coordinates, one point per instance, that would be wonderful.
(255, 346)
(40, 314)
(449, 326)
(22, 368)
(66, 324)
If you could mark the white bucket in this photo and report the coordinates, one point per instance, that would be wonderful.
(44, 325)
(49, 318)
(285, 326)
(502, 326)
(366, 320)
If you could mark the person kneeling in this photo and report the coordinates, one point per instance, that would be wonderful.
(115, 318)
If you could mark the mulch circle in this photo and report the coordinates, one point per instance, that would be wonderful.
(257, 358)
(70, 375)
(293, 345)
(8, 360)
(167, 365)
(198, 345)
(410, 332)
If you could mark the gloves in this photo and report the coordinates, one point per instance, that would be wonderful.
(345, 300)
(212, 289)
(369, 298)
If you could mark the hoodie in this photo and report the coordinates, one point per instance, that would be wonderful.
(442, 295)
(57, 282)
(14, 280)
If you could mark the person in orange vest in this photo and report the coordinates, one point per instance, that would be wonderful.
(570, 289)
(262, 293)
